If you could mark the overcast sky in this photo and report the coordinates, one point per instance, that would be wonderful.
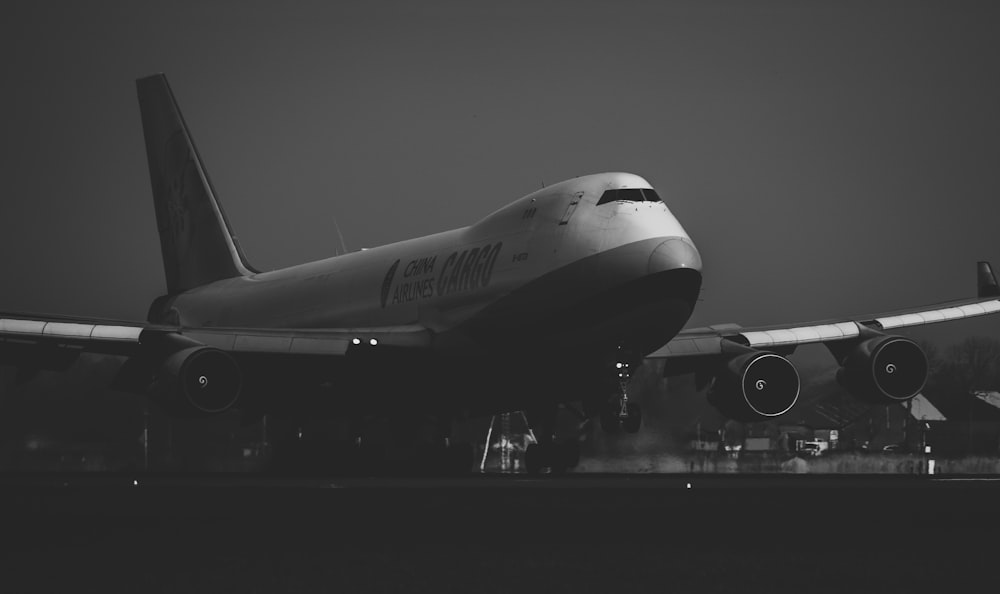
(826, 158)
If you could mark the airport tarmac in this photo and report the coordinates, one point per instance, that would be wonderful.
(492, 481)
(580, 533)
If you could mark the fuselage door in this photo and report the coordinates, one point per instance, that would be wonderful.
(574, 200)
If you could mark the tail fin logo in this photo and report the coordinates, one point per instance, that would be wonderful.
(387, 283)
(177, 161)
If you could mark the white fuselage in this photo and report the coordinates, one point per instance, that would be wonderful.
(444, 280)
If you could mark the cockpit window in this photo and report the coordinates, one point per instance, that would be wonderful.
(651, 195)
(629, 195)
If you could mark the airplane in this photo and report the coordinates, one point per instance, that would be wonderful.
(553, 299)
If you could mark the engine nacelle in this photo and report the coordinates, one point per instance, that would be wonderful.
(199, 381)
(884, 369)
(755, 386)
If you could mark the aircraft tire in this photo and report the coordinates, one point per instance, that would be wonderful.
(570, 454)
(557, 458)
(609, 419)
(461, 458)
(533, 462)
(632, 423)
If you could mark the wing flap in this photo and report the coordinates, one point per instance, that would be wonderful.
(102, 337)
(317, 346)
(710, 341)
(331, 341)
(800, 334)
(127, 337)
(249, 343)
(968, 310)
(15, 327)
(686, 346)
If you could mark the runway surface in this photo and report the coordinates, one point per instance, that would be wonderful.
(579, 533)
(492, 481)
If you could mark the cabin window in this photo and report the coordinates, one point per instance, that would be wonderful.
(629, 195)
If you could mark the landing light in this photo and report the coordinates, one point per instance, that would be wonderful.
(618, 365)
(373, 342)
(356, 341)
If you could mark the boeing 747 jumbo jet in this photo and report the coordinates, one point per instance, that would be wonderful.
(554, 298)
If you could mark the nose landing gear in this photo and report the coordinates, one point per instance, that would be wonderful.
(620, 413)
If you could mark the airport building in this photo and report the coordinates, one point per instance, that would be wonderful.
(954, 426)
(970, 425)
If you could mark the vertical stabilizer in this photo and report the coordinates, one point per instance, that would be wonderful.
(195, 238)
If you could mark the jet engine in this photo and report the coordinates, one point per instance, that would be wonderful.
(198, 381)
(884, 369)
(755, 386)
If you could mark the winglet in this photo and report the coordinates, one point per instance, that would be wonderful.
(987, 283)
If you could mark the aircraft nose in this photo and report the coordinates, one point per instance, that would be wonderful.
(676, 252)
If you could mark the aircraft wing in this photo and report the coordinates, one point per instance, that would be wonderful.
(21, 332)
(720, 339)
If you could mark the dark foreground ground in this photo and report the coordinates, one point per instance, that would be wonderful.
(579, 533)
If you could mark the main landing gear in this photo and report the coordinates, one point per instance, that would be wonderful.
(557, 457)
(619, 413)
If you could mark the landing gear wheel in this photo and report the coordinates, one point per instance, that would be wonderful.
(609, 417)
(461, 458)
(533, 462)
(553, 456)
(557, 458)
(631, 423)
(570, 454)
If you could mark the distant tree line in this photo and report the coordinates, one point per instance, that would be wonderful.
(973, 364)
